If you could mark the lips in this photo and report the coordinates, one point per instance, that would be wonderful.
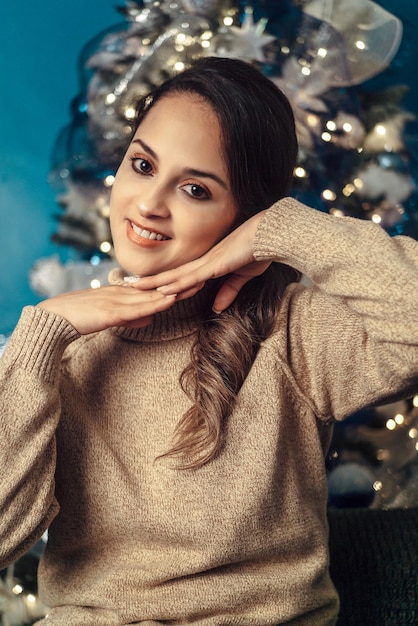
(148, 234)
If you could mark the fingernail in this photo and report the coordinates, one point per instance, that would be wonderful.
(215, 311)
(131, 279)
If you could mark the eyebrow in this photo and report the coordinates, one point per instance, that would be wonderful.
(189, 170)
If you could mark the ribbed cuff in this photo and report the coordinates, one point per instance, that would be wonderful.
(38, 342)
(292, 233)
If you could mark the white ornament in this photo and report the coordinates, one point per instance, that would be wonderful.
(246, 42)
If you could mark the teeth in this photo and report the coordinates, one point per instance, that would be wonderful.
(147, 234)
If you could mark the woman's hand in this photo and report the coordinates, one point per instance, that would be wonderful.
(232, 255)
(92, 310)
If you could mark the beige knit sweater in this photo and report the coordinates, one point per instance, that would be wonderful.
(242, 540)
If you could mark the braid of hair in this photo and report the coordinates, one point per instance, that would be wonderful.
(221, 358)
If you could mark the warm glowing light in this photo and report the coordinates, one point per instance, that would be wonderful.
(331, 125)
(391, 424)
(347, 127)
(109, 180)
(110, 98)
(105, 210)
(228, 21)
(415, 401)
(413, 433)
(105, 247)
(181, 38)
(17, 589)
(360, 45)
(348, 190)
(306, 71)
(205, 43)
(179, 66)
(95, 283)
(130, 113)
(300, 172)
(399, 419)
(285, 50)
(30, 598)
(380, 129)
(336, 212)
(376, 218)
(358, 183)
(377, 485)
(322, 52)
(312, 120)
(328, 194)
(381, 455)
(326, 137)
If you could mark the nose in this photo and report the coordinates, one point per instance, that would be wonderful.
(153, 203)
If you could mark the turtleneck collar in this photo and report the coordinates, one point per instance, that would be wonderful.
(182, 319)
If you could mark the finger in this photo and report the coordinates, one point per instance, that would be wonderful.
(228, 292)
(175, 281)
(188, 293)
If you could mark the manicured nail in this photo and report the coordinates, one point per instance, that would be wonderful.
(131, 279)
(215, 311)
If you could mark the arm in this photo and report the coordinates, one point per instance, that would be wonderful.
(30, 408)
(353, 336)
(30, 405)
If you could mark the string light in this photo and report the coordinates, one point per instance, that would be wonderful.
(329, 195)
(331, 125)
(109, 180)
(105, 247)
(300, 172)
(348, 190)
(129, 113)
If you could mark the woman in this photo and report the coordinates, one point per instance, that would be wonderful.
(170, 429)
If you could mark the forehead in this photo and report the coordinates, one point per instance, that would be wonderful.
(184, 115)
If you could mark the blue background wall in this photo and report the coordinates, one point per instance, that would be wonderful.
(39, 46)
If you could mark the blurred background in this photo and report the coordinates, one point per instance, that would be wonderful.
(39, 47)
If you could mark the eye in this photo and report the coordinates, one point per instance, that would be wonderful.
(142, 166)
(196, 191)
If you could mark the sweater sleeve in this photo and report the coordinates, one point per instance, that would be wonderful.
(350, 340)
(29, 413)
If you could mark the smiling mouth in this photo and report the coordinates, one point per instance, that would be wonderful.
(148, 234)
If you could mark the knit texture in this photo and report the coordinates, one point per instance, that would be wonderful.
(242, 540)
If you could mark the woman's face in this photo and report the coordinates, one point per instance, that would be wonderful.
(171, 200)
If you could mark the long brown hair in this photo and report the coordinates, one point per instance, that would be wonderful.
(260, 149)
